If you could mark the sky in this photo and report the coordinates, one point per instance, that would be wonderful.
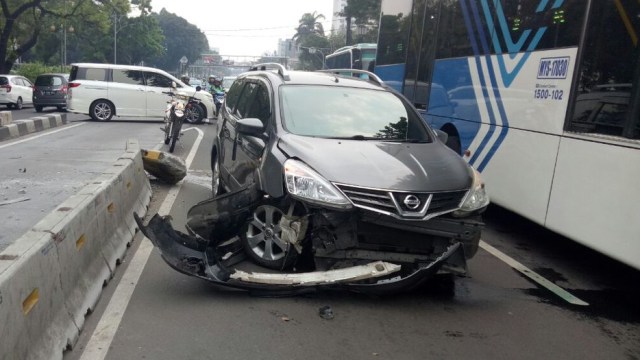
(246, 27)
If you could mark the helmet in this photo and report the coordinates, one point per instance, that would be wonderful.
(211, 79)
(185, 79)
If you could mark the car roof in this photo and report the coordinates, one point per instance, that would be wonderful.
(316, 78)
(117, 66)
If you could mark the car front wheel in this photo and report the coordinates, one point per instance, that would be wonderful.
(101, 110)
(262, 239)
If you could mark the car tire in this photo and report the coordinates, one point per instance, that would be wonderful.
(194, 115)
(101, 110)
(19, 104)
(61, 108)
(215, 177)
(38, 108)
(262, 242)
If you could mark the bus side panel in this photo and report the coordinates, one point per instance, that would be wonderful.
(534, 88)
(520, 178)
(596, 197)
(392, 75)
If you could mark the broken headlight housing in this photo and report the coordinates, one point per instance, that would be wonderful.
(477, 198)
(306, 184)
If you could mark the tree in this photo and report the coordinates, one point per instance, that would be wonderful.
(142, 40)
(309, 24)
(181, 39)
(22, 23)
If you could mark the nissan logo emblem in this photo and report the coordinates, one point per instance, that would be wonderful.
(412, 202)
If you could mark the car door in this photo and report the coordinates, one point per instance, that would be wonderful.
(247, 150)
(156, 101)
(127, 92)
(27, 91)
(227, 131)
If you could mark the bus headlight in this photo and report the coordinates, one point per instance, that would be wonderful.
(306, 184)
(477, 198)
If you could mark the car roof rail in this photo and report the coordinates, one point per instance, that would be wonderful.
(350, 72)
(282, 71)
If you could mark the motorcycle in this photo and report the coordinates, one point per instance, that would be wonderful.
(179, 108)
(218, 99)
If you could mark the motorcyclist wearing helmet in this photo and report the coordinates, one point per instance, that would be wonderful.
(215, 86)
(185, 79)
(217, 91)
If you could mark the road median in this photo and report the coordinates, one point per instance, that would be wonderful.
(10, 129)
(53, 275)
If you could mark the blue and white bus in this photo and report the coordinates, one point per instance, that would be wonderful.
(358, 56)
(541, 96)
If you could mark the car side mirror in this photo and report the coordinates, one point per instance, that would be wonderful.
(174, 85)
(198, 88)
(443, 136)
(251, 127)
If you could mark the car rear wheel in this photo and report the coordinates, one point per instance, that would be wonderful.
(38, 108)
(19, 104)
(215, 177)
(101, 110)
(262, 239)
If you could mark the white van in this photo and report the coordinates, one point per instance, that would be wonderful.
(106, 90)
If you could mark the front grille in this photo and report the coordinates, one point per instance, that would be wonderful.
(390, 202)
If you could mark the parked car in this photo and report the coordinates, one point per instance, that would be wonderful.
(328, 180)
(51, 90)
(15, 91)
(106, 90)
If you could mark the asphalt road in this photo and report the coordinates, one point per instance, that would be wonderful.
(495, 313)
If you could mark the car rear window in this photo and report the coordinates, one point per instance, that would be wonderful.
(4, 80)
(48, 80)
(344, 112)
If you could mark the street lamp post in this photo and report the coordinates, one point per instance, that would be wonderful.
(63, 43)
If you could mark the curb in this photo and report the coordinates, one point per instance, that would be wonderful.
(52, 276)
(27, 126)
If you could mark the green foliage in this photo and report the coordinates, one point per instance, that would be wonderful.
(181, 39)
(32, 70)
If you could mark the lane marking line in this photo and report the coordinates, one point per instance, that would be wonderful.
(562, 293)
(100, 341)
(41, 135)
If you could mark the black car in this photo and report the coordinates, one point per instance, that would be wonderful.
(51, 90)
(332, 179)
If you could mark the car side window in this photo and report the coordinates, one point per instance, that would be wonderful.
(131, 77)
(157, 80)
(233, 94)
(245, 100)
(27, 82)
(260, 107)
(92, 74)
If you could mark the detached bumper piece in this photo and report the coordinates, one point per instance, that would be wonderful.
(193, 255)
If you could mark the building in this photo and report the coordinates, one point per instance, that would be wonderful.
(338, 23)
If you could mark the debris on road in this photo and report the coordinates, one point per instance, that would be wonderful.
(13, 201)
(326, 312)
(164, 166)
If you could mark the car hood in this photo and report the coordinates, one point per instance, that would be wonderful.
(381, 165)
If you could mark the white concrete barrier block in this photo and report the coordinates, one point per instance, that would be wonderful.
(5, 118)
(34, 321)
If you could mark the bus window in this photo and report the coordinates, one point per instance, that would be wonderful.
(394, 32)
(609, 74)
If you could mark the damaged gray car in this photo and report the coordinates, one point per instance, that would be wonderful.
(326, 180)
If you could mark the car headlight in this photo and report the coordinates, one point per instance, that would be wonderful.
(306, 184)
(476, 199)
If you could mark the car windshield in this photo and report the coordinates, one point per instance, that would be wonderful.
(349, 113)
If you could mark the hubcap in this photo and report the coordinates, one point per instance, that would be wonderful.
(264, 234)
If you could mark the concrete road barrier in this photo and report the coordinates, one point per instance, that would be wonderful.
(16, 128)
(52, 276)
